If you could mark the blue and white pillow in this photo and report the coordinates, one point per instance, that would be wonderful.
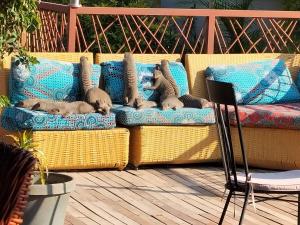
(113, 74)
(261, 82)
(49, 79)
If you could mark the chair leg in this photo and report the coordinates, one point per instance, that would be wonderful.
(225, 207)
(298, 209)
(247, 192)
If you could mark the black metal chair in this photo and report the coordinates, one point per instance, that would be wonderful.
(223, 95)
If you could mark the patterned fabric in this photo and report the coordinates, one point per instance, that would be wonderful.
(262, 82)
(114, 85)
(14, 118)
(274, 116)
(48, 79)
(185, 116)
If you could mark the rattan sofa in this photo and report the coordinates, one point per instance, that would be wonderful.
(79, 149)
(168, 144)
(267, 147)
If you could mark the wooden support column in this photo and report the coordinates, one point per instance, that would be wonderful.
(72, 14)
(211, 34)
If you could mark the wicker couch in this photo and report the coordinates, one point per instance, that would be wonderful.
(168, 144)
(78, 149)
(86, 149)
(266, 147)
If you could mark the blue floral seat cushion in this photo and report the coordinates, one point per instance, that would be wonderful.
(15, 119)
(129, 116)
(49, 79)
(112, 72)
(261, 82)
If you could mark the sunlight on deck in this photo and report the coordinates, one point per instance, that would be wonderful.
(189, 195)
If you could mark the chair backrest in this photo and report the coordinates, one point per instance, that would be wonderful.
(223, 95)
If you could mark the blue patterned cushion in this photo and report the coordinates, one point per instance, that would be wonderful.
(262, 82)
(48, 79)
(114, 85)
(154, 116)
(14, 118)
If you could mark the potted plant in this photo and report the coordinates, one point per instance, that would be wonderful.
(49, 192)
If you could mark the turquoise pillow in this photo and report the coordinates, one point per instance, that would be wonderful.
(49, 79)
(261, 82)
(112, 73)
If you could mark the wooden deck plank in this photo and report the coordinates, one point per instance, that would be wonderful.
(175, 195)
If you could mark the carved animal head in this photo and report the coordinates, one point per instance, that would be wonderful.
(102, 106)
(157, 74)
(54, 111)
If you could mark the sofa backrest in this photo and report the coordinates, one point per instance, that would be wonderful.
(112, 73)
(196, 65)
(142, 58)
(66, 57)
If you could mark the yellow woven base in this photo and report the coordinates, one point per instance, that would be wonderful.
(269, 148)
(173, 144)
(84, 149)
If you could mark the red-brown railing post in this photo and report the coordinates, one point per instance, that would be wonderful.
(72, 14)
(211, 34)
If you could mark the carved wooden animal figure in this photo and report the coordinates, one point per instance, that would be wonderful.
(99, 99)
(29, 103)
(194, 102)
(65, 108)
(93, 95)
(167, 74)
(171, 102)
(57, 107)
(130, 80)
(143, 104)
(85, 73)
(163, 86)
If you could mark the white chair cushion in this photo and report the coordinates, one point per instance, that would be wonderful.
(273, 181)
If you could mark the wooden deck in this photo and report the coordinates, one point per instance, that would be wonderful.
(188, 195)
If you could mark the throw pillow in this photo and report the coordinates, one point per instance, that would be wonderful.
(261, 82)
(112, 72)
(49, 79)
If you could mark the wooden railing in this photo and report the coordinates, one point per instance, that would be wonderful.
(162, 30)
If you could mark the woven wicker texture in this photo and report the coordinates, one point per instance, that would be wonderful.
(197, 63)
(173, 144)
(83, 149)
(269, 148)
(80, 149)
(266, 147)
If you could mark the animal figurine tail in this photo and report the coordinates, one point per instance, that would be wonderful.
(167, 74)
(194, 102)
(130, 80)
(85, 73)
